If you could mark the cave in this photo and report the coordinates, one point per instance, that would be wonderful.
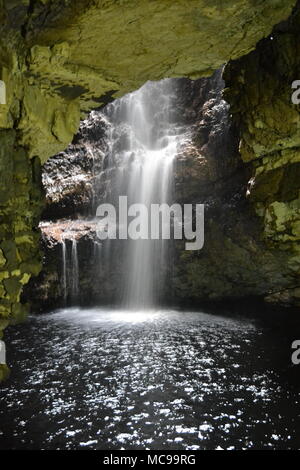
(149, 329)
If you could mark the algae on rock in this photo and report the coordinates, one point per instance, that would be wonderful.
(270, 139)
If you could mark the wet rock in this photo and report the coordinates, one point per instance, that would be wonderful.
(262, 107)
(70, 177)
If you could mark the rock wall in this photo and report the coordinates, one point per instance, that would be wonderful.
(70, 178)
(259, 90)
(236, 260)
(20, 208)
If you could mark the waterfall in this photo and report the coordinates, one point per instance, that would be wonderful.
(70, 272)
(141, 134)
(64, 270)
(74, 272)
(143, 143)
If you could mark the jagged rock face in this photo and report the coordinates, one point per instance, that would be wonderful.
(270, 140)
(20, 203)
(70, 177)
(210, 157)
(235, 261)
(61, 57)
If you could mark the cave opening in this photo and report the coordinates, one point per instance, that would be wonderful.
(156, 146)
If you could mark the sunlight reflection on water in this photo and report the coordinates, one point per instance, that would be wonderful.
(160, 379)
(101, 316)
(79, 315)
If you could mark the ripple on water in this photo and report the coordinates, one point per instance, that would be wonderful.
(108, 379)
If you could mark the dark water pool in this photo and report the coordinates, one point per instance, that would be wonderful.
(104, 379)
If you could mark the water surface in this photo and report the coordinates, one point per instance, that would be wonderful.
(108, 379)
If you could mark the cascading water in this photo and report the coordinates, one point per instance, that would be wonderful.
(69, 271)
(74, 272)
(64, 270)
(140, 140)
(143, 143)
